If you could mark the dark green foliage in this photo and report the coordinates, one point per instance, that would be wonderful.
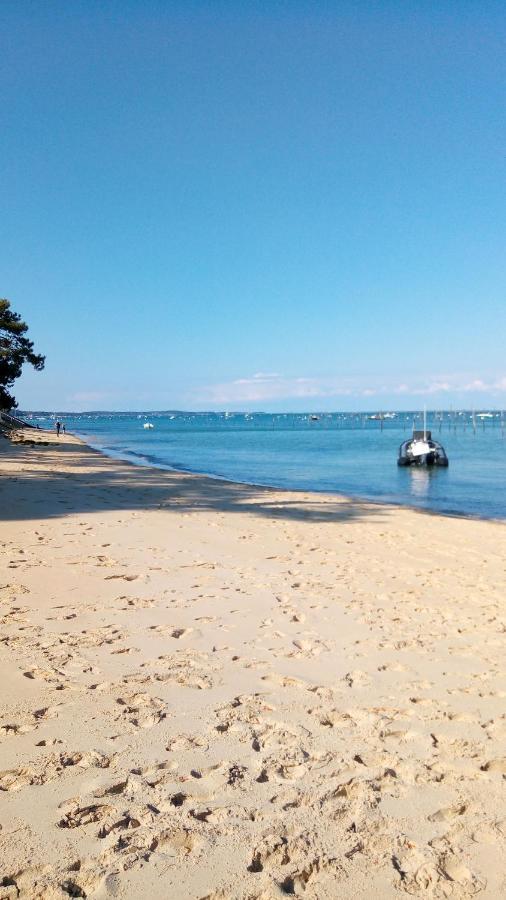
(15, 350)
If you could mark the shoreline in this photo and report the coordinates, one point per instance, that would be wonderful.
(147, 461)
(359, 498)
(220, 691)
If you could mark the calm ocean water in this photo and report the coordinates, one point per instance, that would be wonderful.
(339, 452)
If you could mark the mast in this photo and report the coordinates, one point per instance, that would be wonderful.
(425, 421)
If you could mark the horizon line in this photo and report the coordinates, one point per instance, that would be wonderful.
(257, 412)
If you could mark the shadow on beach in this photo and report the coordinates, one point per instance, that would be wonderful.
(63, 478)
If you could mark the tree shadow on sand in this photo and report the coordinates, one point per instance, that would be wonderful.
(94, 483)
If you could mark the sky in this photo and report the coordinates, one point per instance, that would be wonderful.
(256, 205)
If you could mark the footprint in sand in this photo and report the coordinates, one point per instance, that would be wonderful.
(189, 668)
(172, 631)
(357, 678)
(295, 861)
(187, 742)
(448, 813)
(50, 768)
(142, 710)
(305, 649)
(38, 716)
(136, 602)
(86, 815)
(124, 577)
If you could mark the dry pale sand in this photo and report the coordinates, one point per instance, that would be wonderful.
(210, 690)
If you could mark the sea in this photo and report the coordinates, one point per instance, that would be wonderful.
(347, 453)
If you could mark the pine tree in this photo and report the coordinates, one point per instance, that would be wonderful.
(15, 350)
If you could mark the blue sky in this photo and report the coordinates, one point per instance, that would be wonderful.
(256, 205)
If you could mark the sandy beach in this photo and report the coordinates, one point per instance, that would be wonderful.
(217, 691)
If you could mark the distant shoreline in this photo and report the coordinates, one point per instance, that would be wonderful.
(496, 410)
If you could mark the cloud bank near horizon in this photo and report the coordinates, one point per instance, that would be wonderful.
(278, 392)
(273, 386)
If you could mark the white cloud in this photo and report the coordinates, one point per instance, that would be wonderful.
(258, 388)
(438, 387)
(272, 386)
(259, 378)
(477, 385)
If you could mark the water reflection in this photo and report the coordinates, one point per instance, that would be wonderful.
(422, 480)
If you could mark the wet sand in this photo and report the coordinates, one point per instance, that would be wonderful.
(211, 690)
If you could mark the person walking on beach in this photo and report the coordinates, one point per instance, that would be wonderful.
(58, 426)
(63, 427)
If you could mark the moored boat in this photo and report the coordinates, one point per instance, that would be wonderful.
(422, 450)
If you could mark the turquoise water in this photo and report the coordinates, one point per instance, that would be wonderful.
(342, 453)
